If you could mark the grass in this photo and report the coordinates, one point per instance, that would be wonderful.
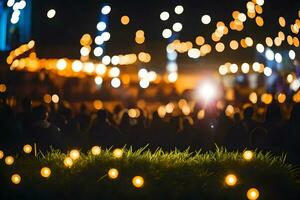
(167, 175)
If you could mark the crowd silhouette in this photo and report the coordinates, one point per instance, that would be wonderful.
(63, 128)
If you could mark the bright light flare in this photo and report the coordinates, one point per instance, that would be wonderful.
(207, 92)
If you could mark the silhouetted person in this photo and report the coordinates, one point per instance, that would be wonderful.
(103, 132)
(44, 133)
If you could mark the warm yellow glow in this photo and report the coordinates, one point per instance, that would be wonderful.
(281, 98)
(290, 78)
(27, 148)
(245, 67)
(234, 45)
(200, 40)
(133, 113)
(9, 160)
(55, 98)
(118, 153)
(98, 104)
(138, 181)
(231, 180)
(220, 47)
(47, 98)
(169, 107)
(86, 39)
(253, 97)
(201, 114)
(161, 111)
(96, 150)
(2, 88)
(229, 110)
(267, 98)
(1, 154)
(223, 69)
(113, 173)
(100, 69)
(45, 172)
(16, 178)
(61, 64)
(248, 155)
(252, 194)
(249, 41)
(259, 21)
(74, 154)
(172, 77)
(77, 66)
(282, 22)
(125, 20)
(269, 41)
(68, 162)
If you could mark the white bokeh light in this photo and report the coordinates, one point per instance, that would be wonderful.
(179, 9)
(115, 82)
(164, 16)
(167, 33)
(101, 26)
(51, 13)
(278, 57)
(292, 54)
(177, 27)
(106, 10)
(205, 19)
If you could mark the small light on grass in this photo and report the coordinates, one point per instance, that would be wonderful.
(96, 150)
(27, 148)
(248, 155)
(9, 160)
(118, 153)
(113, 173)
(138, 181)
(252, 194)
(45, 172)
(16, 178)
(74, 154)
(68, 162)
(231, 180)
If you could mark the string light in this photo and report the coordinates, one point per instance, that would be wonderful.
(118, 153)
(248, 155)
(16, 178)
(231, 180)
(9, 160)
(74, 154)
(45, 172)
(252, 194)
(68, 162)
(96, 150)
(138, 181)
(27, 148)
(113, 173)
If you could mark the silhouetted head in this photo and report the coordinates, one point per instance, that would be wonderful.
(248, 113)
(273, 113)
(237, 117)
(102, 115)
(40, 112)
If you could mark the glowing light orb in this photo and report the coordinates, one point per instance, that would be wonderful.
(270, 54)
(77, 66)
(268, 71)
(118, 153)
(248, 155)
(144, 83)
(125, 20)
(51, 13)
(245, 67)
(278, 57)
(167, 33)
(114, 72)
(260, 48)
(74, 154)
(207, 91)
(98, 80)
(9, 160)
(68, 162)
(164, 16)
(206, 19)
(115, 82)
(55, 98)
(106, 10)
(292, 54)
(252, 194)
(106, 60)
(45, 172)
(96, 150)
(61, 64)
(179, 9)
(172, 77)
(101, 26)
(105, 36)
(98, 51)
(1, 154)
(113, 173)
(27, 148)
(138, 181)
(16, 179)
(177, 27)
(231, 180)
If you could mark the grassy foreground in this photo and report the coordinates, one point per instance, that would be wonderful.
(167, 175)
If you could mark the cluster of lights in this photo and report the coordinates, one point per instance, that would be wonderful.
(17, 9)
(146, 77)
(267, 98)
(19, 51)
(48, 98)
(228, 68)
